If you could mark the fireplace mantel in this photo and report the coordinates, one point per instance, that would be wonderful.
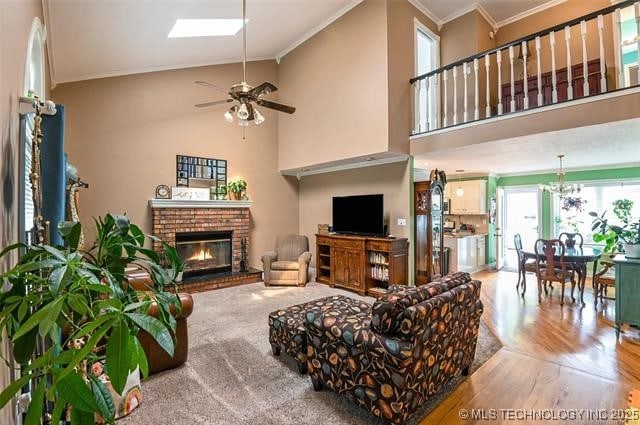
(195, 204)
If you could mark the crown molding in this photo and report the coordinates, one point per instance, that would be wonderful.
(480, 8)
(426, 12)
(530, 12)
(317, 29)
(351, 165)
(144, 70)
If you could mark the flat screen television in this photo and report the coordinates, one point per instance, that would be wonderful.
(362, 214)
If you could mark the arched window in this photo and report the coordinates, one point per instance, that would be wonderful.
(34, 84)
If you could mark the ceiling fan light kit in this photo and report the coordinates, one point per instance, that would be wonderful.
(245, 96)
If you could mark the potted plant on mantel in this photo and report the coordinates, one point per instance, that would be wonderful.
(624, 237)
(236, 188)
(67, 312)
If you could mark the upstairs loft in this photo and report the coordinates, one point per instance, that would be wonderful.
(534, 84)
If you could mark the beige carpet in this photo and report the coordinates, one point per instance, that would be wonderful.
(232, 378)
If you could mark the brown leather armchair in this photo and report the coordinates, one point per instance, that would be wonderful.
(157, 358)
(288, 264)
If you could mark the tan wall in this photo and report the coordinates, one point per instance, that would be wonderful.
(337, 81)
(124, 133)
(401, 65)
(317, 191)
(15, 25)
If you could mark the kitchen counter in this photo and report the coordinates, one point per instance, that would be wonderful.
(462, 235)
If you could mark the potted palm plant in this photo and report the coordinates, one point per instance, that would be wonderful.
(624, 236)
(65, 311)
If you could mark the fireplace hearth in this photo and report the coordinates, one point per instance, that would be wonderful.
(206, 252)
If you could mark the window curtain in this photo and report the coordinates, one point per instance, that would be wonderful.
(53, 168)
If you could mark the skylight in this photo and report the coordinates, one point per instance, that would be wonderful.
(205, 27)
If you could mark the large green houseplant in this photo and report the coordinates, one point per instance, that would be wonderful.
(622, 236)
(63, 310)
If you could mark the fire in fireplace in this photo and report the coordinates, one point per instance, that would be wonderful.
(205, 252)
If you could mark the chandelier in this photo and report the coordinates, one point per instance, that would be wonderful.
(560, 187)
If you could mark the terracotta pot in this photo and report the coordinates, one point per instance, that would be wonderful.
(234, 196)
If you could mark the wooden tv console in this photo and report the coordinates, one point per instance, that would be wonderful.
(361, 263)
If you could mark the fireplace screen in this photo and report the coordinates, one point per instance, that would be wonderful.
(204, 252)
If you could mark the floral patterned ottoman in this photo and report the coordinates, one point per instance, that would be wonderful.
(286, 326)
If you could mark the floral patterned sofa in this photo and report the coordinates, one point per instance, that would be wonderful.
(412, 343)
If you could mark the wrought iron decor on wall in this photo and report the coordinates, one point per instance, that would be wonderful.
(213, 171)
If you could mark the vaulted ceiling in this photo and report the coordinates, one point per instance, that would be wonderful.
(101, 38)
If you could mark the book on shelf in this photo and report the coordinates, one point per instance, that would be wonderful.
(378, 258)
(380, 272)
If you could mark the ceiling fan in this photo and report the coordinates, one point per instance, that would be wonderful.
(246, 97)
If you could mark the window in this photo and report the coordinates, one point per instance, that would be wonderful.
(34, 83)
(427, 58)
(597, 197)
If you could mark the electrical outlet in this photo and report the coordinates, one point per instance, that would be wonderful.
(402, 222)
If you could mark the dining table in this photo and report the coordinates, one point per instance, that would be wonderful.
(578, 257)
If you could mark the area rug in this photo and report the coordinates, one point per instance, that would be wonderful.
(231, 376)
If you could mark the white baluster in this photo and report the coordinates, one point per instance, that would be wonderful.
(585, 66)
(603, 70)
(476, 111)
(567, 38)
(416, 119)
(465, 72)
(455, 95)
(554, 76)
(427, 115)
(513, 80)
(487, 65)
(499, 60)
(525, 52)
(637, 10)
(539, 66)
(446, 99)
(618, 26)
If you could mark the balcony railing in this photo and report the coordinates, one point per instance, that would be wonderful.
(588, 56)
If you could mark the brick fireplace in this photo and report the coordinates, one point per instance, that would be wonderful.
(191, 219)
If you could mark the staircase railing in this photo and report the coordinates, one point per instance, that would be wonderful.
(499, 81)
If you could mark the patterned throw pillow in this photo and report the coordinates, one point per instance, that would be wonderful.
(387, 311)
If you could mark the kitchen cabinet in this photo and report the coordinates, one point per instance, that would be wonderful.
(466, 253)
(474, 199)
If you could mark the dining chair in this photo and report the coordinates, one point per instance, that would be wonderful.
(551, 266)
(524, 265)
(605, 278)
(571, 240)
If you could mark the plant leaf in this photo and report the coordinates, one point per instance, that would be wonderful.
(35, 319)
(70, 232)
(10, 391)
(34, 412)
(120, 356)
(142, 357)
(55, 278)
(156, 329)
(24, 346)
(89, 346)
(79, 417)
(75, 391)
(78, 303)
(103, 399)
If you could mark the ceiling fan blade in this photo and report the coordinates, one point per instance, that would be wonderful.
(214, 103)
(277, 106)
(213, 86)
(262, 89)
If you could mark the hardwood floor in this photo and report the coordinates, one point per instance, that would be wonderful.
(554, 357)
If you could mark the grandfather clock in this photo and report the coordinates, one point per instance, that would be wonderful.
(429, 219)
